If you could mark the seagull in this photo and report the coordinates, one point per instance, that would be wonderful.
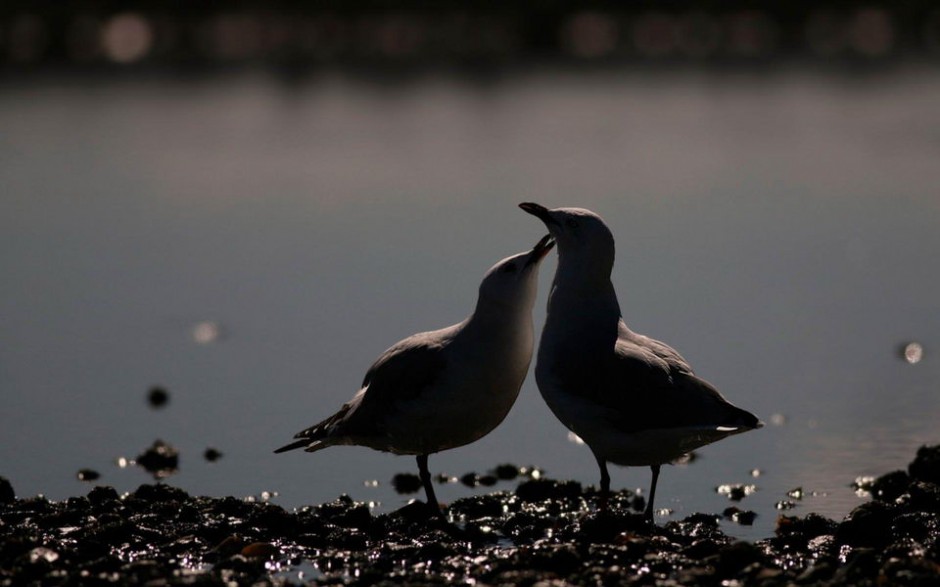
(439, 390)
(632, 399)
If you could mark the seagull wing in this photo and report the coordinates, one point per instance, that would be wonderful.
(402, 373)
(644, 384)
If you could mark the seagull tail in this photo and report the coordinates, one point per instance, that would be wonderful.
(742, 420)
(296, 444)
(317, 436)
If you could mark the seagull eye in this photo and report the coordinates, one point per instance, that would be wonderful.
(510, 268)
(572, 223)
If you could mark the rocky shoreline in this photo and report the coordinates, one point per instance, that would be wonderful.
(545, 532)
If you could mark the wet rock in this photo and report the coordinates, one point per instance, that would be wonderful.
(160, 460)
(470, 479)
(506, 472)
(697, 526)
(914, 570)
(547, 489)
(860, 564)
(159, 492)
(545, 533)
(610, 526)
(483, 506)
(242, 570)
(158, 397)
(702, 549)
(868, 525)
(406, 483)
(88, 475)
(211, 455)
(796, 533)
(795, 493)
(7, 495)
(809, 526)
(271, 519)
(889, 487)
(346, 513)
(736, 557)
(260, 550)
(916, 525)
(735, 491)
(739, 516)
(926, 465)
(816, 574)
(102, 494)
(923, 496)
(526, 527)
(412, 513)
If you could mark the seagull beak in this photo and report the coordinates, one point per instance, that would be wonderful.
(540, 249)
(540, 212)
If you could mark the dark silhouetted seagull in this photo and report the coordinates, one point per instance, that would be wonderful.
(438, 390)
(633, 400)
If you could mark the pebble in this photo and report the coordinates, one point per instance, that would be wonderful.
(158, 397)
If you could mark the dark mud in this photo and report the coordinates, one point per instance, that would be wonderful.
(545, 532)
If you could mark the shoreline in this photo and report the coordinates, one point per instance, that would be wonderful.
(544, 530)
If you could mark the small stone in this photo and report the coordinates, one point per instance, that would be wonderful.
(868, 525)
(7, 495)
(506, 472)
(912, 352)
(889, 487)
(160, 493)
(158, 397)
(538, 490)
(211, 455)
(405, 483)
(262, 550)
(88, 475)
(796, 493)
(160, 460)
(735, 491)
(738, 516)
(488, 480)
(102, 494)
(926, 465)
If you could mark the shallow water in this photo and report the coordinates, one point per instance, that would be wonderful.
(779, 230)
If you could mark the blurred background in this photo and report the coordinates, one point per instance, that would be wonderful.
(243, 203)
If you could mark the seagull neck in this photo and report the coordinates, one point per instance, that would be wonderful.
(597, 296)
(583, 281)
(491, 315)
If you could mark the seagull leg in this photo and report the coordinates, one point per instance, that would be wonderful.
(649, 504)
(605, 483)
(428, 487)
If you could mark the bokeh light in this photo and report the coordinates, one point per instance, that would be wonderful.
(127, 38)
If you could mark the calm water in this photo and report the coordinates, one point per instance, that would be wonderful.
(780, 231)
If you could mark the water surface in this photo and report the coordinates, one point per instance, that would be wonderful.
(779, 230)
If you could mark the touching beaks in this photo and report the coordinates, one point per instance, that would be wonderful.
(540, 249)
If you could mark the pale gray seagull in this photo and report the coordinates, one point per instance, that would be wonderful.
(439, 390)
(633, 400)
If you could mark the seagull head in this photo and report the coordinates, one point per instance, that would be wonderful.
(514, 280)
(581, 234)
